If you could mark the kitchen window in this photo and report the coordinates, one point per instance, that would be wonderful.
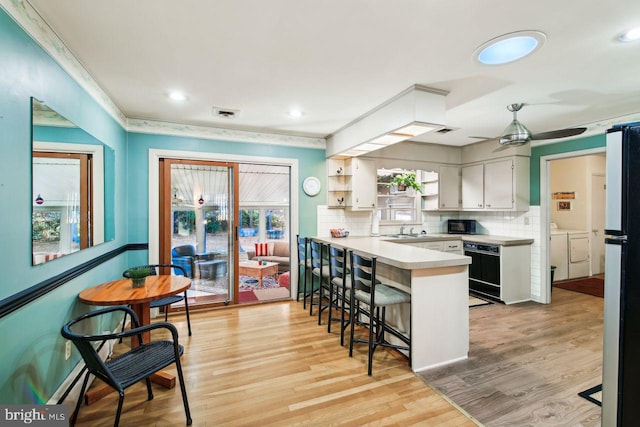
(397, 205)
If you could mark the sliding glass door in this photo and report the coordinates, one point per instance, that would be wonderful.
(198, 218)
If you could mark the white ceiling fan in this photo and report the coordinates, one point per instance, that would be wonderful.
(517, 134)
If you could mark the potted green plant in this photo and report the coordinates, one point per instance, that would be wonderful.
(139, 275)
(405, 180)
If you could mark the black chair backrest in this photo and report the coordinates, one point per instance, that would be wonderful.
(303, 245)
(337, 262)
(316, 254)
(153, 269)
(363, 273)
(84, 342)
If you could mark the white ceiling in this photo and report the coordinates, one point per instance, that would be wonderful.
(338, 59)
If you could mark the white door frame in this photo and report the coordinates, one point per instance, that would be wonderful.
(592, 241)
(545, 214)
(154, 192)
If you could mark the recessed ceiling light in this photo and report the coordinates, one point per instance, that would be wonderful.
(177, 96)
(509, 47)
(295, 113)
(630, 35)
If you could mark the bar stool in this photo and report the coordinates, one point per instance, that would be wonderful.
(339, 287)
(367, 290)
(319, 274)
(303, 267)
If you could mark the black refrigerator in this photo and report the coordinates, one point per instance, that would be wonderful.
(621, 358)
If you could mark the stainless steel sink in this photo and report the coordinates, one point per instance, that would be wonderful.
(405, 236)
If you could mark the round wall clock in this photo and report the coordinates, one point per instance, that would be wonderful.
(311, 186)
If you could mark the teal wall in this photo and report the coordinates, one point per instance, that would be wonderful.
(310, 162)
(586, 143)
(32, 364)
(32, 361)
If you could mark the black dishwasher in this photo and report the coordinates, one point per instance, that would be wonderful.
(484, 271)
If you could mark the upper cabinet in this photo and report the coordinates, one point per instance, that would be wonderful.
(363, 184)
(499, 185)
(441, 190)
(496, 185)
(473, 187)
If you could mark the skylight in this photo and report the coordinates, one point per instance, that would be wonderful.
(509, 47)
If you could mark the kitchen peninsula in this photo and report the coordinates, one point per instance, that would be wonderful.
(439, 288)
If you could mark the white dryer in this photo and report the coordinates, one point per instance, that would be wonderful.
(579, 250)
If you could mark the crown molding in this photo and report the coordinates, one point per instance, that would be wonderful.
(207, 132)
(35, 26)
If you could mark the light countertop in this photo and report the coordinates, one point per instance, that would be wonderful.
(398, 255)
(481, 238)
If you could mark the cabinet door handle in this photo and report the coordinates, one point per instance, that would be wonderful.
(479, 205)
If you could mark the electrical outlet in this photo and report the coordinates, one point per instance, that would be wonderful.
(526, 220)
(67, 350)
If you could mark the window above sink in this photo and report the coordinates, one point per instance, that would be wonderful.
(397, 205)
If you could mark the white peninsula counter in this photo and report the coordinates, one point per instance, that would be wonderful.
(439, 287)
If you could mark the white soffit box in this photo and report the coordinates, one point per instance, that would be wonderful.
(420, 105)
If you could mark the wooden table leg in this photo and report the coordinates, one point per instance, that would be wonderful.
(143, 311)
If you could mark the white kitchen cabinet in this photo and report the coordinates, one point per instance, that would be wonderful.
(364, 189)
(451, 246)
(515, 274)
(473, 187)
(449, 187)
(496, 185)
(441, 190)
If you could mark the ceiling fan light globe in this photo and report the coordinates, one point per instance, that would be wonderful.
(516, 131)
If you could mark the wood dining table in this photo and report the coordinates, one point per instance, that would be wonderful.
(122, 292)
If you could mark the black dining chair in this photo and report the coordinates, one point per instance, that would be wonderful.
(366, 289)
(319, 274)
(339, 288)
(303, 268)
(164, 303)
(124, 370)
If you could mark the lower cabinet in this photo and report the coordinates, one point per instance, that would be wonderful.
(451, 246)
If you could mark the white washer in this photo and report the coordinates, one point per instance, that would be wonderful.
(579, 250)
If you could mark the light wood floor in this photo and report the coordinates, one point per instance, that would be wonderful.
(271, 364)
(527, 362)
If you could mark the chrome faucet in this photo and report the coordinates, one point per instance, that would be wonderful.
(411, 230)
(402, 229)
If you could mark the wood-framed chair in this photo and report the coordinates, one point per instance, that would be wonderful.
(128, 368)
(367, 289)
(166, 302)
